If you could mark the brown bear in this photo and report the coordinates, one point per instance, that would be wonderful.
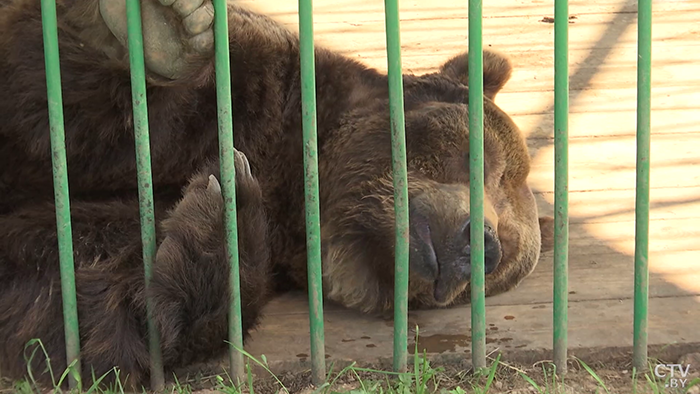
(190, 281)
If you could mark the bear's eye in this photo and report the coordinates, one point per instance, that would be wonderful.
(466, 165)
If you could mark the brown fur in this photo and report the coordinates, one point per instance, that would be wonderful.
(190, 279)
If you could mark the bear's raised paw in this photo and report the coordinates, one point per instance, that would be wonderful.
(175, 32)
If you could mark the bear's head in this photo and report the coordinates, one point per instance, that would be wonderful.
(358, 221)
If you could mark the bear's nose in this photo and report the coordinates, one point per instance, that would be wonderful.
(455, 270)
(444, 257)
(492, 245)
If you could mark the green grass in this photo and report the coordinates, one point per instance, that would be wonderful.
(422, 378)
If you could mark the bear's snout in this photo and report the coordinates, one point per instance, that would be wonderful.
(441, 252)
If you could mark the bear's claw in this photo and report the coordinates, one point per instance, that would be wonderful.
(242, 164)
(214, 185)
(243, 175)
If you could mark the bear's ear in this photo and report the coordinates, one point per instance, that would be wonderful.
(497, 71)
(547, 233)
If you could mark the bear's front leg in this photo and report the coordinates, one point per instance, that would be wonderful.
(190, 285)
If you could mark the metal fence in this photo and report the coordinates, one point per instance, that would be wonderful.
(311, 182)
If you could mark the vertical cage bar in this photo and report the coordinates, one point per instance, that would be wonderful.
(145, 183)
(561, 183)
(228, 182)
(311, 189)
(60, 181)
(400, 177)
(476, 184)
(641, 239)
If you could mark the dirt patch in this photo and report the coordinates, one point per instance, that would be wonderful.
(611, 375)
(605, 371)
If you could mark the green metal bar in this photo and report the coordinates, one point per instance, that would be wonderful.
(641, 239)
(228, 182)
(400, 179)
(60, 183)
(313, 222)
(561, 182)
(476, 184)
(145, 182)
